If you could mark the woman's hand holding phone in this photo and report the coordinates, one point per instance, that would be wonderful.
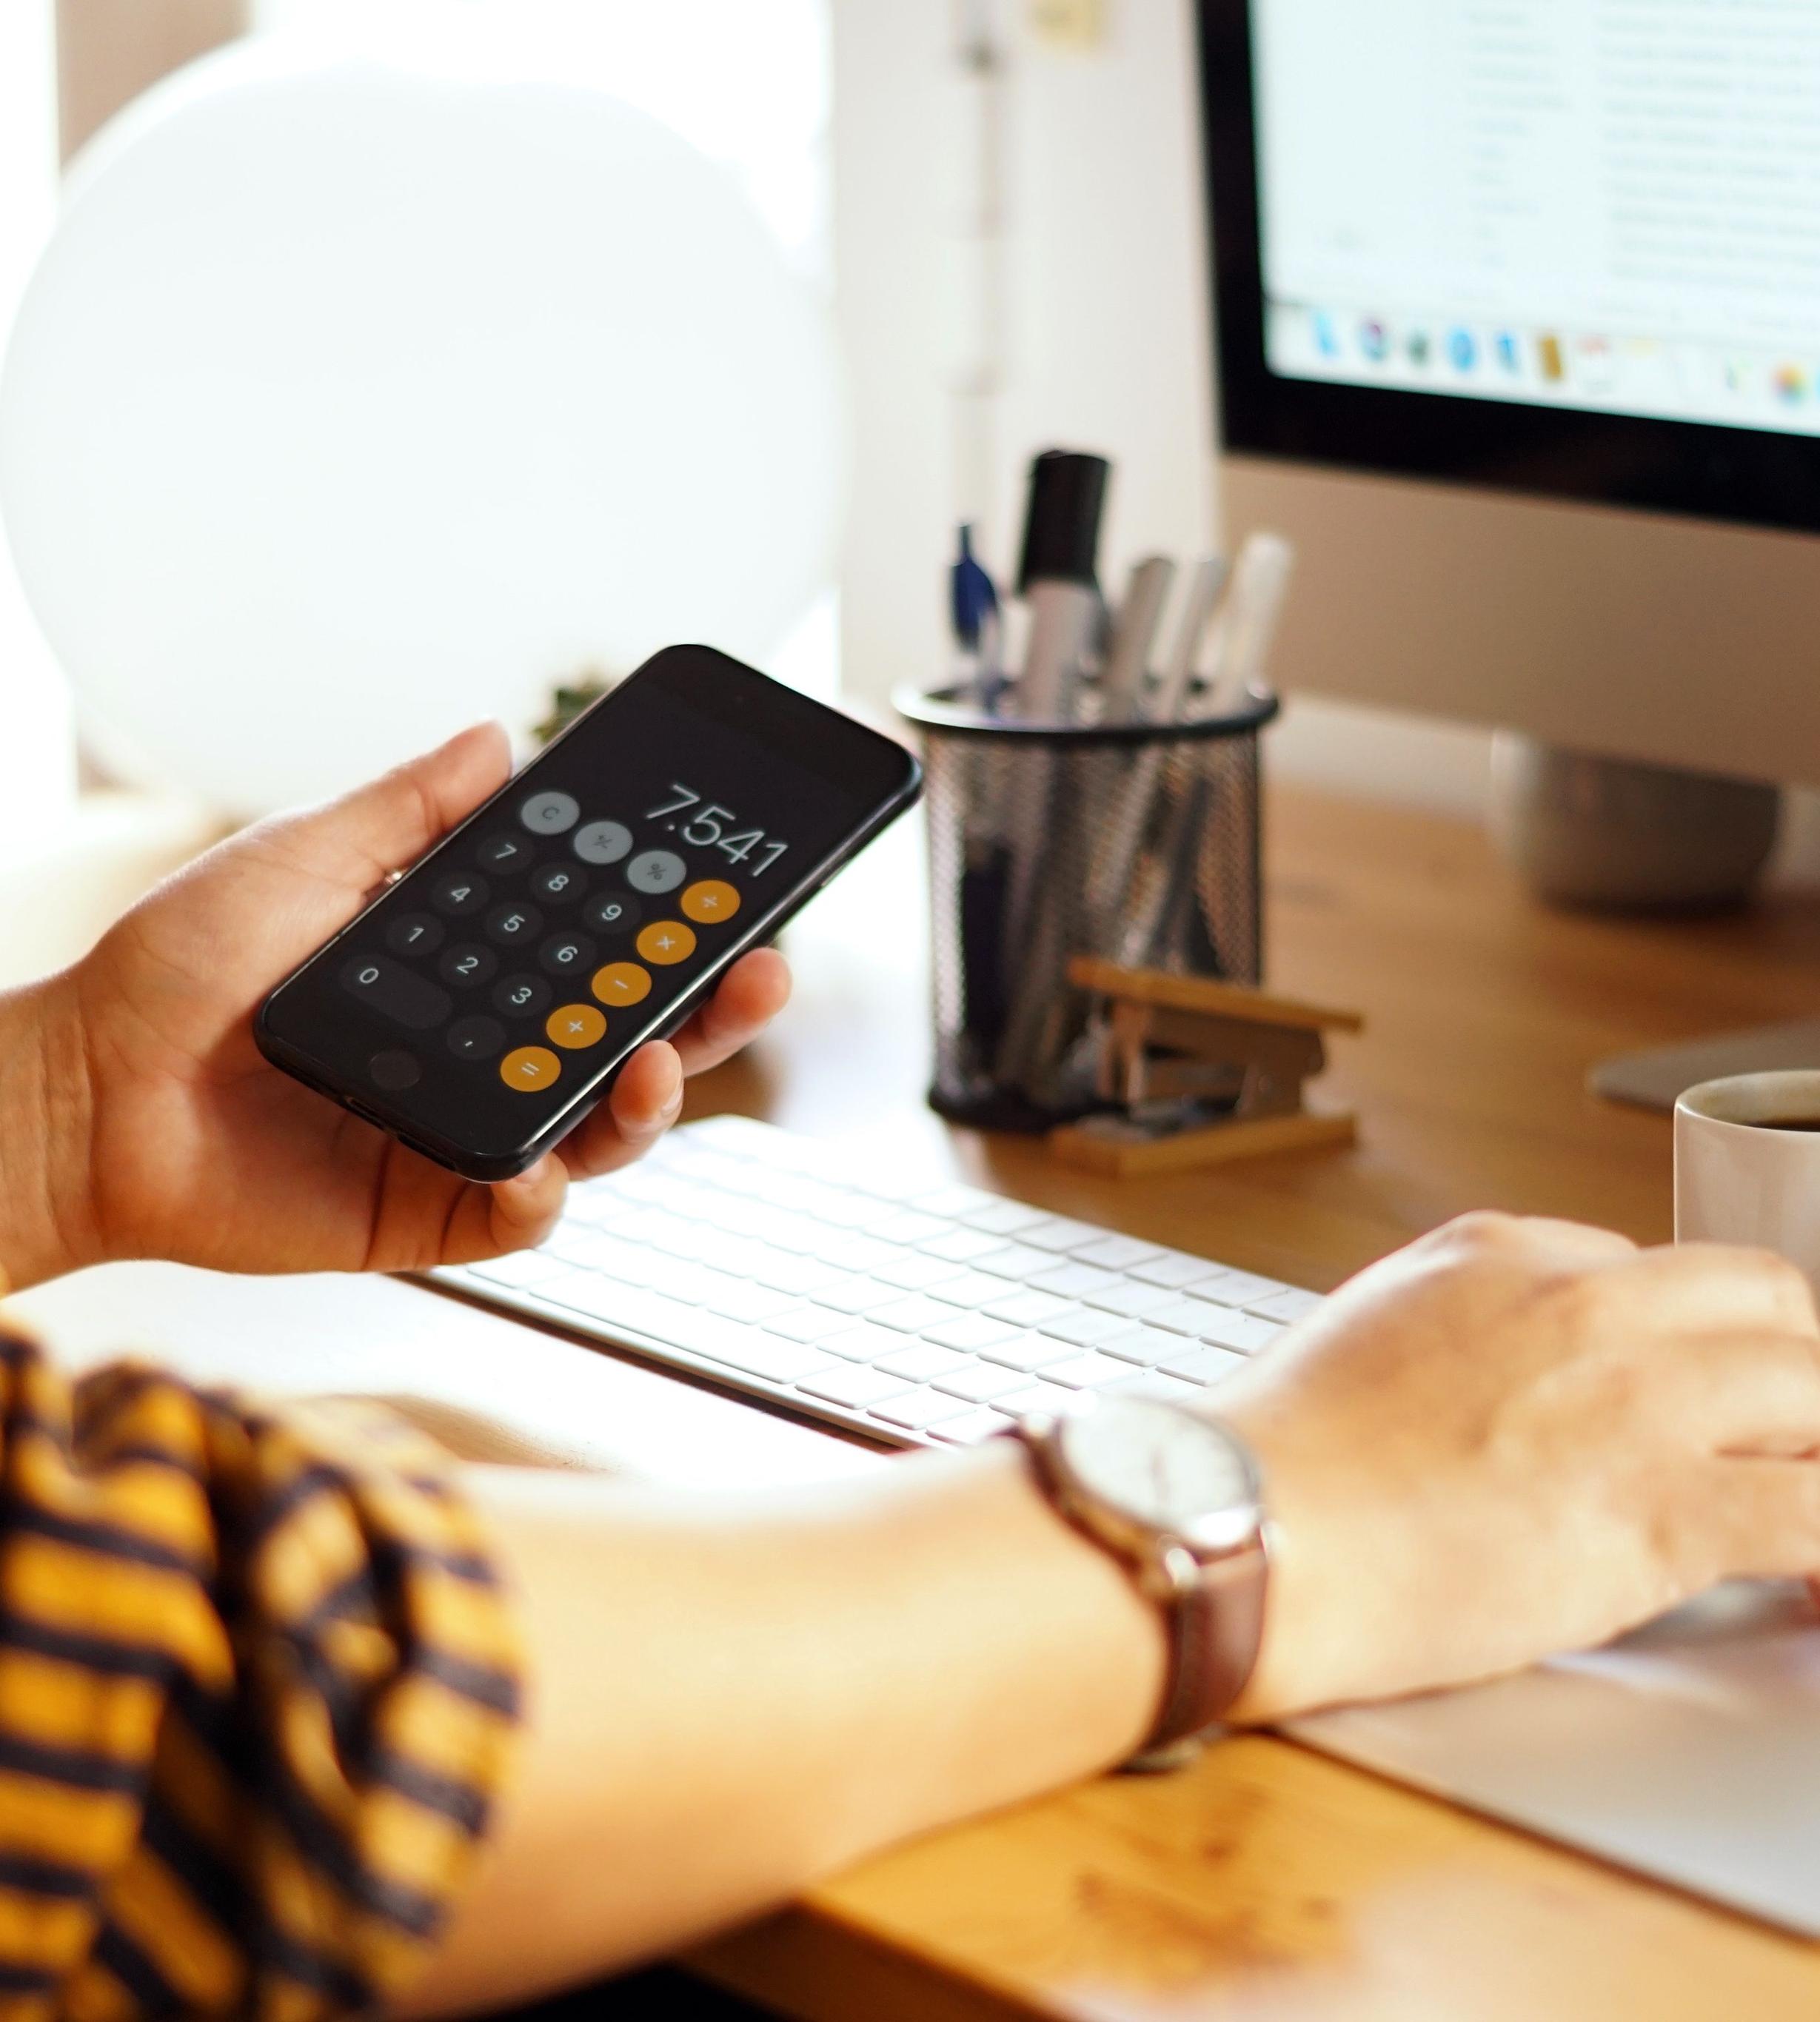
(163, 1131)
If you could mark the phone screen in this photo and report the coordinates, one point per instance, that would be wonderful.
(484, 1002)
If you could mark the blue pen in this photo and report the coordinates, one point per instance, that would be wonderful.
(974, 608)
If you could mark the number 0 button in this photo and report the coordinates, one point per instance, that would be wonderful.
(666, 941)
(622, 983)
(710, 900)
(526, 1068)
(575, 1026)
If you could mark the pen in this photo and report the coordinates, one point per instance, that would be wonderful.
(1260, 580)
(1056, 578)
(974, 608)
(1127, 662)
(1203, 590)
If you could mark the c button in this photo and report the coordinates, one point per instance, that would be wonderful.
(528, 1067)
(575, 1026)
(622, 983)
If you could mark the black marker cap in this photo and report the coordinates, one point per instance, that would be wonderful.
(1067, 488)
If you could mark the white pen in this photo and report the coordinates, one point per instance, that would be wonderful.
(1203, 589)
(1128, 663)
(1063, 616)
(1259, 581)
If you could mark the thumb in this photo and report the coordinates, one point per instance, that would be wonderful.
(392, 821)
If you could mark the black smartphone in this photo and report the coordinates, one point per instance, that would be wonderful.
(482, 1004)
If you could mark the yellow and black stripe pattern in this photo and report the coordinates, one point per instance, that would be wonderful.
(257, 1686)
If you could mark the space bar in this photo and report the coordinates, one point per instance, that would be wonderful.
(641, 1313)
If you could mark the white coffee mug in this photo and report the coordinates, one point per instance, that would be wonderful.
(1741, 1178)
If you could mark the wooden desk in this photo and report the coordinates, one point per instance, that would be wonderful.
(1267, 1882)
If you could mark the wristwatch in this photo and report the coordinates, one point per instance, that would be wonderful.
(1175, 1497)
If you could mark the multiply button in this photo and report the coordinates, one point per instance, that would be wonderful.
(710, 901)
(529, 1067)
(666, 941)
(576, 1025)
(622, 983)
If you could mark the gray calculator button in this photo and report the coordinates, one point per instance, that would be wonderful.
(655, 870)
(550, 814)
(513, 922)
(505, 852)
(567, 954)
(476, 1038)
(461, 892)
(393, 1070)
(411, 999)
(523, 997)
(613, 912)
(414, 934)
(602, 842)
(559, 883)
(467, 964)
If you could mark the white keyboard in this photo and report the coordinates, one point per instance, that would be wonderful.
(913, 1310)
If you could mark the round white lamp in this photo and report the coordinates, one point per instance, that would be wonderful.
(351, 402)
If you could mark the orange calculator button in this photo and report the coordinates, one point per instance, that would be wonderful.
(666, 941)
(529, 1067)
(575, 1025)
(710, 901)
(622, 983)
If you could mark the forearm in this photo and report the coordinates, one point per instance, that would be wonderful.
(46, 1224)
(729, 1699)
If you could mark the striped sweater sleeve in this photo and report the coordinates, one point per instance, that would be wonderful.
(258, 1687)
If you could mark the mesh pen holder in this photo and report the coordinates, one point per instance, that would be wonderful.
(1137, 842)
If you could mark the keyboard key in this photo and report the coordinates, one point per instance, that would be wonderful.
(747, 1302)
(1075, 1281)
(1244, 1332)
(776, 1361)
(1058, 1233)
(858, 1388)
(972, 1289)
(1016, 1261)
(1025, 1351)
(913, 1271)
(1086, 1372)
(856, 1295)
(785, 1273)
(522, 1268)
(1038, 1396)
(953, 1202)
(1003, 1218)
(1147, 1346)
(980, 1382)
(1085, 1328)
(808, 1323)
(920, 1410)
(971, 1331)
(1206, 1365)
(1117, 1252)
(921, 1363)
(969, 1431)
(1153, 1384)
(1286, 1307)
(1030, 1308)
(1182, 1316)
(1130, 1299)
(960, 1246)
(1240, 1288)
(864, 1343)
(907, 1226)
(847, 1251)
(1175, 1270)
(914, 1315)
(601, 1299)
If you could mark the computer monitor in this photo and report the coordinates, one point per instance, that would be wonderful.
(1517, 305)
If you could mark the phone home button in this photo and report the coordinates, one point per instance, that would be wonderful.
(394, 1069)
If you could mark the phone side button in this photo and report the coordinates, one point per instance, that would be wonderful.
(407, 998)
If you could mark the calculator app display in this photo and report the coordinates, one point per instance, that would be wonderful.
(548, 937)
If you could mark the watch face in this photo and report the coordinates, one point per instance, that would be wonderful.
(1164, 1469)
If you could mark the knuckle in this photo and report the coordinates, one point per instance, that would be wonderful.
(1481, 1229)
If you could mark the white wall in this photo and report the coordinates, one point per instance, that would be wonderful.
(37, 749)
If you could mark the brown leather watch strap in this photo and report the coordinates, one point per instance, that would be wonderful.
(1218, 1628)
